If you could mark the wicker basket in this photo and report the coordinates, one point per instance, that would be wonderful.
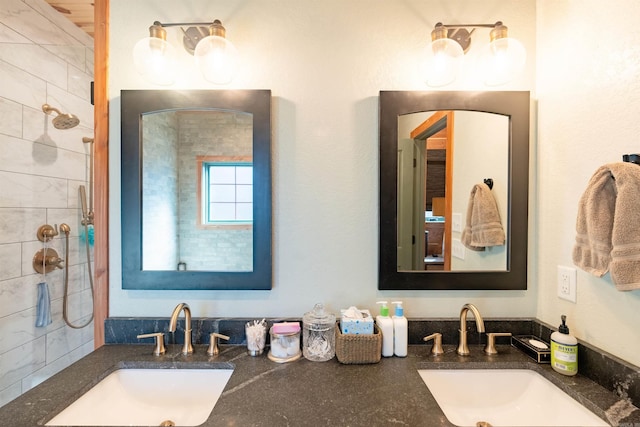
(358, 349)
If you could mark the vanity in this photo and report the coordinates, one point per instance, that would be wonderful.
(261, 392)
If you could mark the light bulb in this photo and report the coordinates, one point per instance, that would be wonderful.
(502, 60)
(155, 59)
(217, 59)
(442, 62)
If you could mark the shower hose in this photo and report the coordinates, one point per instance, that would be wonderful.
(65, 298)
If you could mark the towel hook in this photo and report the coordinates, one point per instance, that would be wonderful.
(631, 158)
(489, 183)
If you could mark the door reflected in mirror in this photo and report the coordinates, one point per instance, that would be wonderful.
(442, 155)
(197, 190)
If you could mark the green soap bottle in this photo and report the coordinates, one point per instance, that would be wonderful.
(564, 350)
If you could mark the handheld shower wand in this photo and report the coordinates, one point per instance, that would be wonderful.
(87, 221)
(87, 211)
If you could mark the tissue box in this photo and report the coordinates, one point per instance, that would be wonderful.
(362, 326)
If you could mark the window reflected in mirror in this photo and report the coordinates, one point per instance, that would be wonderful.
(226, 192)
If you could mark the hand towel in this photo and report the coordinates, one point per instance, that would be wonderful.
(43, 311)
(483, 227)
(608, 225)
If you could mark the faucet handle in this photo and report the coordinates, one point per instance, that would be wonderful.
(159, 342)
(490, 348)
(213, 343)
(436, 349)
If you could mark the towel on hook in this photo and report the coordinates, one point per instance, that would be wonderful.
(483, 227)
(43, 311)
(608, 225)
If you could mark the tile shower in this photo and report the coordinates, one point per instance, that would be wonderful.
(43, 59)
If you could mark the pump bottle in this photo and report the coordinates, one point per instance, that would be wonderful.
(385, 324)
(400, 331)
(564, 350)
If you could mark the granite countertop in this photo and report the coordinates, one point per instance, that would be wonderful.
(264, 393)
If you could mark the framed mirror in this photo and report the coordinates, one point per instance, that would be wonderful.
(196, 189)
(438, 153)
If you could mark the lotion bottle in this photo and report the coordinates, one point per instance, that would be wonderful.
(400, 331)
(385, 324)
(564, 350)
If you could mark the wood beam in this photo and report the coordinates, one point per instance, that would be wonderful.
(101, 170)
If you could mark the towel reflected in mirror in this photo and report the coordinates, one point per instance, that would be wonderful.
(483, 227)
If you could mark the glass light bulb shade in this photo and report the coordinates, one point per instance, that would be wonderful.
(442, 62)
(217, 59)
(502, 60)
(156, 60)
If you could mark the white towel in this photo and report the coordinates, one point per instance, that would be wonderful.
(483, 227)
(608, 225)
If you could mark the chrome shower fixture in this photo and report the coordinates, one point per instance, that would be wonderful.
(62, 120)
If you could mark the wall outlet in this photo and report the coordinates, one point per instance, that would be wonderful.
(456, 222)
(457, 248)
(567, 283)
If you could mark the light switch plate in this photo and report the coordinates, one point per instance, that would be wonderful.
(456, 222)
(457, 249)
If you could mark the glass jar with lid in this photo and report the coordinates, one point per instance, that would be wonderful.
(285, 342)
(318, 334)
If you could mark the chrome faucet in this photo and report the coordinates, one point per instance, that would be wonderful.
(463, 350)
(187, 348)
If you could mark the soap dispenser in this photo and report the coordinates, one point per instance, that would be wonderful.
(564, 350)
(400, 331)
(385, 324)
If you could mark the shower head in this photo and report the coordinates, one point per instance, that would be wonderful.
(61, 121)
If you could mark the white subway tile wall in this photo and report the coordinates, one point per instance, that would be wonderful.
(44, 58)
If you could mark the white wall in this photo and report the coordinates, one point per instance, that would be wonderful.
(481, 150)
(325, 63)
(589, 101)
(44, 58)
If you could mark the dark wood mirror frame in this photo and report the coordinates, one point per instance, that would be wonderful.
(515, 105)
(135, 103)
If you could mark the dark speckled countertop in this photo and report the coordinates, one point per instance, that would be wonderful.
(303, 393)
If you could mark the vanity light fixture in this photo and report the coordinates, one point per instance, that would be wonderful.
(216, 57)
(500, 61)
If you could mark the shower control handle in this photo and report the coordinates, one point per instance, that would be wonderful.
(47, 260)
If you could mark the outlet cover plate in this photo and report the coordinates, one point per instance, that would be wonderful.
(567, 283)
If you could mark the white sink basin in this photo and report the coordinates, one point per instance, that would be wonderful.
(504, 397)
(148, 397)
